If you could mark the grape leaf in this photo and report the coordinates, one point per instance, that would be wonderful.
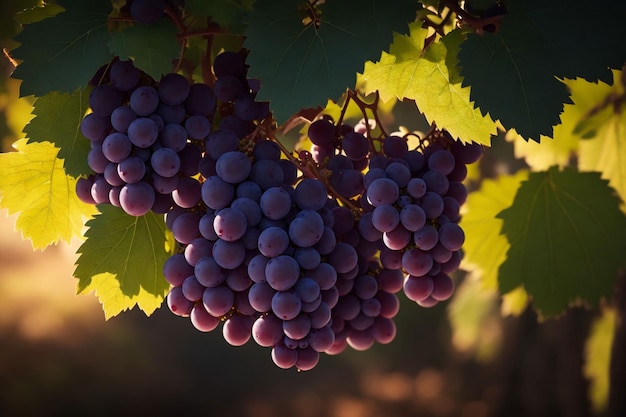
(485, 248)
(33, 183)
(226, 13)
(567, 239)
(541, 156)
(57, 120)
(63, 52)
(311, 63)
(151, 47)
(513, 72)
(37, 14)
(429, 75)
(122, 260)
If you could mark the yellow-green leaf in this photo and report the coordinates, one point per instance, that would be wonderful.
(33, 183)
(430, 76)
(606, 153)
(485, 248)
(122, 261)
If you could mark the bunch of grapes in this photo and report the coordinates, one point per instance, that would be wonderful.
(303, 255)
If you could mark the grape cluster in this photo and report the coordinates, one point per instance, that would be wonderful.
(409, 199)
(302, 261)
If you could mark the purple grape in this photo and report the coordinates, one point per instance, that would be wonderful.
(131, 170)
(306, 228)
(144, 100)
(185, 227)
(116, 147)
(197, 126)
(273, 241)
(229, 255)
(230, 224)
(177, 302)
(267, 330)
(124, 75)
(104, 99)
(322, 133)
(173, 136)
(217, 193)
(310, 194)
(200, 100)
(173, 89)
(282, 273)
(418, 288)
(228, 63)
(385, 218)
(176, 269)
(228, 88)
(143, 132)
(202, 320)
(286, 304)
(233, 166)
(165, 162)
(137, 199)
(147, 11)
(382, 191)
(218, 300)
(95, 127)
(260, 296)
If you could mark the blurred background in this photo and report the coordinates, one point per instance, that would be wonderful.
(58, 355)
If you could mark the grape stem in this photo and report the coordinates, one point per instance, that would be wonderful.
(477, 23)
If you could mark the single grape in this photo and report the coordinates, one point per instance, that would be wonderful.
(173, 89)
(143, 132)
(137, 199)
(147, 11)
(144, 100)
(124, 75)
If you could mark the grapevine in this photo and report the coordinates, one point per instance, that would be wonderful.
(307, 248)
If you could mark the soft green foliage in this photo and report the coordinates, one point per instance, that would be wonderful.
(63, 52)
(567, 238)
(122, 261)
(429, 75)
(151, 47)
(36, 14)
(57, 120)
(309, 64)
(513, 72)
(471, 313)
(485, 248)
(33, 184)
(226, 13)
(598, 358)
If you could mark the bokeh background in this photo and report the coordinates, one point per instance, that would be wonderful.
(59, 357)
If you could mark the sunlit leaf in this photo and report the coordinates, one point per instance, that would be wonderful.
(33, 184)
(122, 260)
(485, 248)
(430, 76)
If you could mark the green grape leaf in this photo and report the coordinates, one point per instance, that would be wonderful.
(567, 238)
(34, 184)
(226, 13)
(122, 260)
(57, 120)
(312, 63)
(63, 52)
(151, 47)
(429, 75)
(514, 72)
(485, 248)
(606, 153)
(37, 14)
